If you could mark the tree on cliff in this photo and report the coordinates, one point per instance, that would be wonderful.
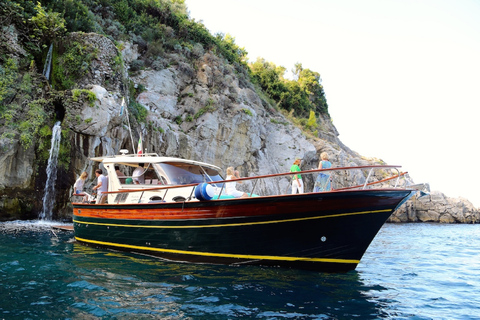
(302, 94)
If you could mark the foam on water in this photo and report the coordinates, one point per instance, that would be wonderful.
(29, 225)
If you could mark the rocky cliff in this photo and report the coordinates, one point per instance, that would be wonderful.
(193, 105)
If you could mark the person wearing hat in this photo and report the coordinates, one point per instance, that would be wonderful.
(297, 183)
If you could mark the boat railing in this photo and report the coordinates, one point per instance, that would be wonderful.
(337, 180)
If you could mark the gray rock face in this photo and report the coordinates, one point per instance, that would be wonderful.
(16, 166)
(436, 207)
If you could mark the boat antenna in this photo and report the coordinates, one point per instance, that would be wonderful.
(128, 122)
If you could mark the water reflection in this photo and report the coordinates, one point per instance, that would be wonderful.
(50, 276)
(221, 292)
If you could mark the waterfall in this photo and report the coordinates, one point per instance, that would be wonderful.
(48, 63)
(49, 195)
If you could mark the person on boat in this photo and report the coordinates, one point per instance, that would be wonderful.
(137, 175)
(322, 183)
(102, 186)
(230, 187)
(120, 174)
(78, 186)
(297, 184)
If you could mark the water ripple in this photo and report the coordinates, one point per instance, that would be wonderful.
(414, 271)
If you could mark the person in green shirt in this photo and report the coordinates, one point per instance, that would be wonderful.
(297, 184)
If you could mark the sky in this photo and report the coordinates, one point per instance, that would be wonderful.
(401, 77)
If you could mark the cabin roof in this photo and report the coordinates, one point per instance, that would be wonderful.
(149, 158)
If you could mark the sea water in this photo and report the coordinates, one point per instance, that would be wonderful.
(410, 271)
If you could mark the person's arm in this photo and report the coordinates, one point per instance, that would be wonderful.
(320, 164)
(236, 174)
(98, 185)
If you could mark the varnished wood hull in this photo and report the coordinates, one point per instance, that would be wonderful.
(315, 231)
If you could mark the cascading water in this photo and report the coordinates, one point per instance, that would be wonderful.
(48, 63)
(49, 195)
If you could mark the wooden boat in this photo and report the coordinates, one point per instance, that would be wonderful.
(181, 213)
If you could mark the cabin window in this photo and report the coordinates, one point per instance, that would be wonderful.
(184, 173)
(149, 176)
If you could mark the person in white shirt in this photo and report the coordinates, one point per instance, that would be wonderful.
(137, 175)
(78, 186)
(102, 186)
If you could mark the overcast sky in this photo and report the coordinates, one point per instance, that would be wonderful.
(401, 77)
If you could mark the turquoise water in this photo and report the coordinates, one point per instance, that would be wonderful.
(411, 271)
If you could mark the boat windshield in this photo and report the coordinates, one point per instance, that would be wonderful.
(186, 173)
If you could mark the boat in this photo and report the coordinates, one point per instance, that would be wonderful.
(180, 212)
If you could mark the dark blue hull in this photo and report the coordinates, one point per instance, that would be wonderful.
(321, 232)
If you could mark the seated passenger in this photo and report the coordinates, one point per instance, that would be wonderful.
(137, 175)
(120, 174)
(230, 186)
(78, 186)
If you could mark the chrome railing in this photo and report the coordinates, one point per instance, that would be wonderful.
(337, 180)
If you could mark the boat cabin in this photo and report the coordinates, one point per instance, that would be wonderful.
(142, 176)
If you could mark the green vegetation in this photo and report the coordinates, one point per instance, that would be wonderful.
(27, 117)
(302, 95)
(8, 82)
(70, 65)
(47, 26)
(208, 108)
(65, 149)
(178, 120)
(158, 28)
(90, 96)
(272, 120)
(32, 122)
(43, 149)
(118, 62)
(138, 111)
(247, 111)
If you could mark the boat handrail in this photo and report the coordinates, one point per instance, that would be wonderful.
(375, 182)
(278, 175)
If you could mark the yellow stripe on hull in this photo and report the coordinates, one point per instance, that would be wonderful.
(220, 255)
